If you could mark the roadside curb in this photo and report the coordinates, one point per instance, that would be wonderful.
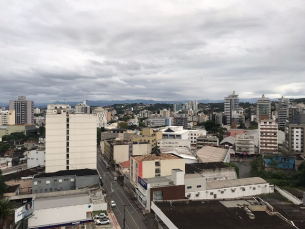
(114, 220)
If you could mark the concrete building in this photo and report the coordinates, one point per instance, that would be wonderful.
(24, 128)
(228, 141)
(213, 154)
(157, 122)
(65, 180)
(165, 113)
(182, 152)
(70, 140)
(164, 143)
(148, 135)
(231, 104)
(175, 132)
(207, 141)
(283, 111)
(39, 121)
(212, 171)
(36, 158)
(7, 117)
(244, 144)
(181, 121)
(149, 166)
(177, 107)
(120, 151)
(37, 110)
(194, 134)
(263, 109)
(294, 134)
(268, 137)
(101, 114)
(24, 110)
(82, 108)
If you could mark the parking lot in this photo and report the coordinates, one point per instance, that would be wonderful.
(113, 223)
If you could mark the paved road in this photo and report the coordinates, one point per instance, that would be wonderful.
(134, 217)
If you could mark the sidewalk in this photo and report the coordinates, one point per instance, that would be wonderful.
(116, 225)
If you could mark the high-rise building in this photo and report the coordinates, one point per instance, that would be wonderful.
(283, 111)
(181, 121)
(7, 117)
(177, 107)
(82, 108)
(294, 134)
(102, 116)
(24, 110)
(70, 139)
(263, 109)
(192, 105)
(268, 136)
(231, 105)
(165, 113)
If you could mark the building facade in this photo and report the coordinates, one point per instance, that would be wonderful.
(102, 117)
(294, 134)
(231, 104)
(24, 110)
(70, 140)
(268, 137)
(263, 109)
(7, 117)
(181, 121)
(244, 144)
(283, 111)
(82, 108)
(36, 158)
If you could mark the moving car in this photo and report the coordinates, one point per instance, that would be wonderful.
(115, 178)
(113, 204)
(102, 222)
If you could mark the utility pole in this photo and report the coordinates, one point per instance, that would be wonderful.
(124, 219)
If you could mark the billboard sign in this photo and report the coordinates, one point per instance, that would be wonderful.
(142, 183)
(24, 211)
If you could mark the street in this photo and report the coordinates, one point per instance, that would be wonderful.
(114, 191)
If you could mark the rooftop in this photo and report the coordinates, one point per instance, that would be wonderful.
(153, 157)
(76, 172)
(235, 183)
(229, 139)
(211, 154)
(125, 164)
(183, 152)
(199, 167)
(214, 215)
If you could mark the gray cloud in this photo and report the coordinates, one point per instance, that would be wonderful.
(167, 50)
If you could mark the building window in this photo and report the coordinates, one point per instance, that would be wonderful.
(39, 182)
(158, 195)
(157, 163)
(198, 186)
(211, 193)
(66, 179)
(60, 180)
(189, 187)
(35, 182)
(47, 182)
(72, 179)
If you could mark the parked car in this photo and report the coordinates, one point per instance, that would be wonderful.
(102, 222)
(115, 178)
(113, 204)
(103, 215)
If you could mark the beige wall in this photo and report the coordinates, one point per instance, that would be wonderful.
(166, 167)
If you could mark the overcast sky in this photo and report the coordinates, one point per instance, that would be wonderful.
(162, 50)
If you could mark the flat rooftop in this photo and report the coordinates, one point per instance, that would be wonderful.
(183, 152)
(295, 213)
(153, 157)
(215, 215)
(199, 167)
(235, 183)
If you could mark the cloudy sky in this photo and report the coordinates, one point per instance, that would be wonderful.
(162, 50)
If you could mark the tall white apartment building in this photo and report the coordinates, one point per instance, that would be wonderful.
(24, 110)
(192, 105)
(101, 114)
(283, 111)
(268, 137)
(231, 106)
(82, 108)
(70, 139)
(165, 113)
(7, 117)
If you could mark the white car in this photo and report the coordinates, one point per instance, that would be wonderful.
(113, 204)
(102, 222)
(102, 215)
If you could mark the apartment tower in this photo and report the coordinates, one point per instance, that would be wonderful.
(268, 137)
(231, 105)
(24, 110)
(263, 109)
(283, 111)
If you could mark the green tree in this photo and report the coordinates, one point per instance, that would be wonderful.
(122, 125)
(156, 151)
(6, 211)
(4, 146)
(42, 131)
(257, 166)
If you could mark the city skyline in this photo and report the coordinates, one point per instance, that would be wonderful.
(165, 51)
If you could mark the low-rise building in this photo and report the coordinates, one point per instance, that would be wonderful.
(149, 166)
(207, 141)
(7, 117)
(24, 128)
(175, 132)
(213, 154)
(158, 122)
(65, 180)
(163, 143)
(194, 134)
(36, 158)
(182, 152)
(244, 144)
(148, 135)
(120, 151)
(181, 121)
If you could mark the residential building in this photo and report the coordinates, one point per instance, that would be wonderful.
(181, 121)
(157, 122)
(191, 105)
(148, 135)
(231, 104)
(39, 121)
(164, 143)
(175, 132)
(194, 134)
(36, 158)
(70, 140)
(101, 114)
(213, 154)
(212, 171)
(207, 140)
(268, 137)
(24, 128)
(228, 141)
(263, 109)
(124, 167)
(165, 113)
(235, 132)
(244, 144)
(7, 117)
(65, 180)
(149, 166)
(294, 134)
(283, 111)
(24, 110)
(37, 110)
(177, 107)
(119, 151)
(82, 108)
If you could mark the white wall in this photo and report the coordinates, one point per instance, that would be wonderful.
(174, 143)
(100, 207)
(35, 158)
(59, 215)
